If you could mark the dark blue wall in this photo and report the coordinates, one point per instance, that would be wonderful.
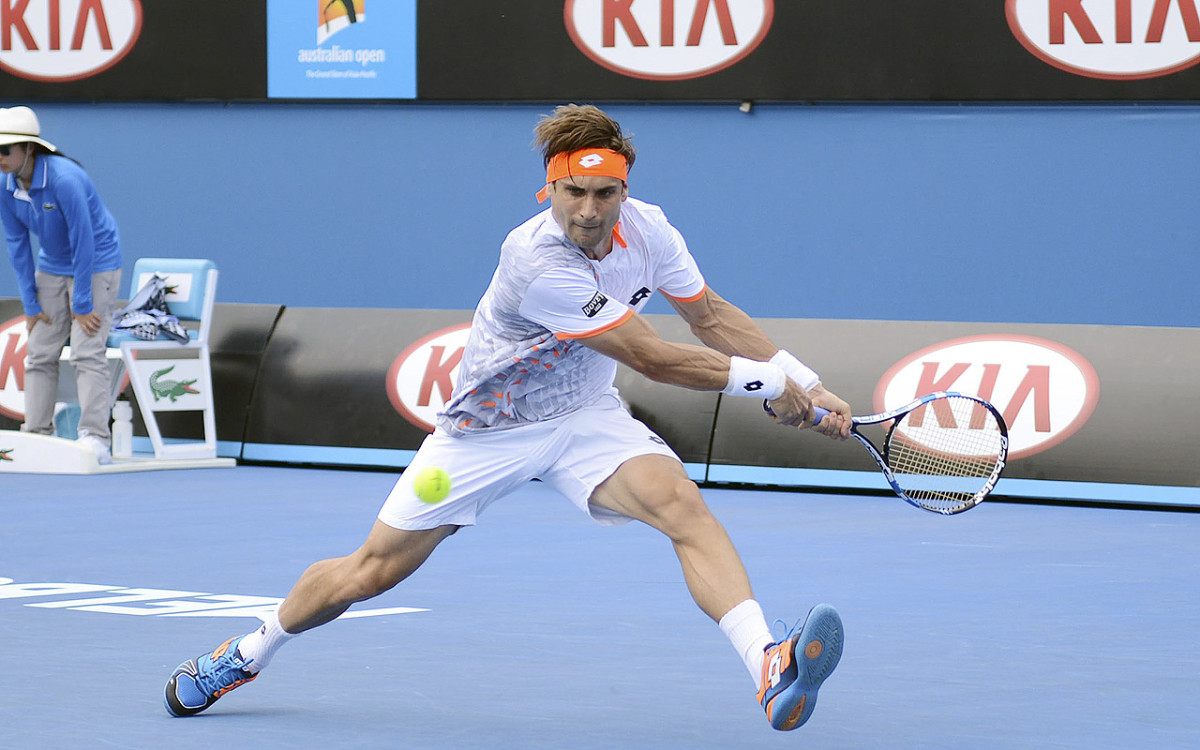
(1074, 214)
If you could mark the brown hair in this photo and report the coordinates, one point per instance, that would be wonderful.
(574, 126)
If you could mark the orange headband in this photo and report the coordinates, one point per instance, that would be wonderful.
(588, 161)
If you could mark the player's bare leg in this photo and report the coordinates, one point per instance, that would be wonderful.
(324, 591)
(655, 490)
(788, 671)
(329, 587)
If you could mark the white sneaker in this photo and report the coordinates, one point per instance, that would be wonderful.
(97, 446)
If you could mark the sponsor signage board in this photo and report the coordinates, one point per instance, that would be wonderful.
(132, 49)
(1060, 388)
(806, 50)
(66, 40)
(1044, 390)
(657, 42)
(602, 50)
(13, 340)
(358, 378)
(1116, 39)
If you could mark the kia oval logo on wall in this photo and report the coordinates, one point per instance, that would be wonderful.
(1114, 39)
(66, 40)
(668, 40)
(1045, 390)
(13, 337)
(421, 378)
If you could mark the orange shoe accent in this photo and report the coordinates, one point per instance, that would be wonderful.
(794, 716)
(220, 651)
(239, 683)
(814, 649)
(784, 650)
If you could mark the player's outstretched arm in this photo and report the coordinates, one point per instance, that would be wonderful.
(723, 326)
(637, 345)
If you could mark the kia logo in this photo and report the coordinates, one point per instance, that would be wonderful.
(1044, 390)
(667, 40)
(13, 337)
(421, 378)
(66, 40)
(1115, 39)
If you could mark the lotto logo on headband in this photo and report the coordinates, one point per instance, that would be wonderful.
(600, 162)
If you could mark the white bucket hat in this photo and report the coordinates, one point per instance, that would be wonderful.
(20, 125)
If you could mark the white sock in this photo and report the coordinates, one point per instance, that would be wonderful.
(262, 644)
(747, 630)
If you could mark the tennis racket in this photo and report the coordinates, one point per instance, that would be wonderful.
(943, 452)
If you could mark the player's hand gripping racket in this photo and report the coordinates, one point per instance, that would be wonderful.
(943, 452)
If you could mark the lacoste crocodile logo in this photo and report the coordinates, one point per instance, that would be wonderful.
(171, 389)
(4, 454)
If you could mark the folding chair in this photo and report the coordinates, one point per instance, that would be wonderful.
(167, 375)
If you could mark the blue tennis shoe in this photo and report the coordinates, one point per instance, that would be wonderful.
(795, 667)
(198, 683)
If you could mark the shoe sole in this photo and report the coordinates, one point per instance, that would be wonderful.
(818, 649)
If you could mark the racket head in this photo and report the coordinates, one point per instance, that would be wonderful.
(946, 453)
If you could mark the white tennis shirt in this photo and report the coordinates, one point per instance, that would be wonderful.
(523, 362)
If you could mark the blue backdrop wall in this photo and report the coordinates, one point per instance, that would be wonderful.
(1071, 214)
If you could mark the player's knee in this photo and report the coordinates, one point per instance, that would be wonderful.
(683, 511)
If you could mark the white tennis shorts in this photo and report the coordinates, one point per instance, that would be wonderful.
(573, 454)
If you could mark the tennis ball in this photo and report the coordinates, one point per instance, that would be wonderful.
(432, 484)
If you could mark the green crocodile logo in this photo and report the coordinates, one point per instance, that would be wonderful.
(171, 389)
(4, 454)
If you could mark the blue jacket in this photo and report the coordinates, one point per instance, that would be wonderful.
(77, 234)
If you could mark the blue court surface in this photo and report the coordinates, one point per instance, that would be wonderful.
(1011, 626)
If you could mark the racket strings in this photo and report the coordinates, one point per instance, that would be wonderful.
(944, 457)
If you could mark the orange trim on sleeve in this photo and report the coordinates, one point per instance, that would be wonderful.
(693, 298)
(588, 334)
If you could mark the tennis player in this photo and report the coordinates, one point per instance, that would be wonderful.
(535, 399)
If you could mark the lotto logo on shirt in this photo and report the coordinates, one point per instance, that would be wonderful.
(594, 305)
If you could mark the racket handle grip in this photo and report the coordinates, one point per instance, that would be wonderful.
(821, 413)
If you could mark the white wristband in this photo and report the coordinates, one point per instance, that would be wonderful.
(755, 379)
(796, 370)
